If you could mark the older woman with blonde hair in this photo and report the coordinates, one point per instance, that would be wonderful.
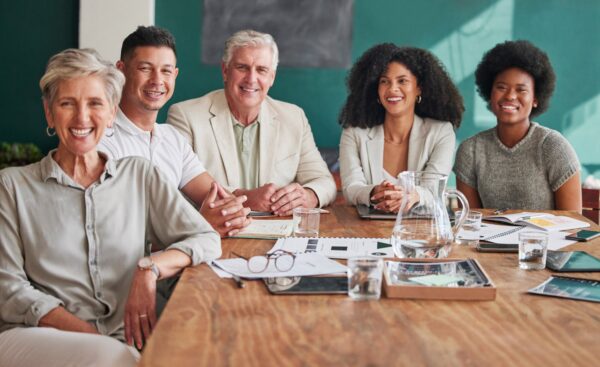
(76, 282)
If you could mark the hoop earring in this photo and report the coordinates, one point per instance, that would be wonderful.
(111, 130)
(50, 131)
(419, 98)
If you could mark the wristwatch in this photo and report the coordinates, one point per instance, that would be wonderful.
(146, 263)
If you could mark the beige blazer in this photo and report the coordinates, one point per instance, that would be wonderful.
(430, 148)
(287, 151)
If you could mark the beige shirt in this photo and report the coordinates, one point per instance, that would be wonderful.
(246, 139)
(62, 244)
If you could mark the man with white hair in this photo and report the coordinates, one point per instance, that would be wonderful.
(251, 143)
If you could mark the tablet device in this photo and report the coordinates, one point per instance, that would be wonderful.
(572, 261)
(307, 285)
(497, 247)
(367, 212)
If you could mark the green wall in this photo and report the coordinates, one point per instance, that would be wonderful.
(457, 31)
(32, 31)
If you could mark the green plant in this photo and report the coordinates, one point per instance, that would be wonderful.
(18, 154)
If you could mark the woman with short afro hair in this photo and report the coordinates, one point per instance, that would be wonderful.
(518, 164)
(400, 115)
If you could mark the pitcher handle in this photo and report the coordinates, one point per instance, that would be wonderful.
(465, 208)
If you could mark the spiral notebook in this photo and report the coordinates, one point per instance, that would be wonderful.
(504, 234)
(337, 247)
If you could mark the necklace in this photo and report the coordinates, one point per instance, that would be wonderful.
(393, 142)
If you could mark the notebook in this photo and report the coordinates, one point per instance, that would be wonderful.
(267, 229)
(337, 247)
(544, 221)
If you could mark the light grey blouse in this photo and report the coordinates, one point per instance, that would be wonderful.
(62, 244)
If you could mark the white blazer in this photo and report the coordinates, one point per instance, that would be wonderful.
(287, 151)
(430, 148)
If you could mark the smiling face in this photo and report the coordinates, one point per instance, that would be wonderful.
(247, 78)
(513, 96)
(150, 75)
(80, 113)
(398, 90)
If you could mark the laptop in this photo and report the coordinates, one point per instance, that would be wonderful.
(367, 212)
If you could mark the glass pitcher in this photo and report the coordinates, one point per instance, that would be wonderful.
(422, 228)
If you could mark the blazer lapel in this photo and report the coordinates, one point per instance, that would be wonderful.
(225, 139)
(375, 153)
(269, 131)
(415, 144)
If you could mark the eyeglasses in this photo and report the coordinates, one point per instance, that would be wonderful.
(284, 261)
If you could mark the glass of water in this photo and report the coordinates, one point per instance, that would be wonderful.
(533, 248)
(469, 232)
(306, 222)
(364, 278)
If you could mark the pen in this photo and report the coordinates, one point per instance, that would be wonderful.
(240, 283)
(500, 211)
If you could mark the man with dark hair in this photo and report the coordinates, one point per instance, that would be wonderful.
(148, 61)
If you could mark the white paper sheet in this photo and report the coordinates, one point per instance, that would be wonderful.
(305, 264)
(337, 247)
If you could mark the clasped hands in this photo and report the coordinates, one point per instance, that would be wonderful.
(279, 200)
(225, 211)
(387, 197)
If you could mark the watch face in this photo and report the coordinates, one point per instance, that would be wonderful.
(145, 263)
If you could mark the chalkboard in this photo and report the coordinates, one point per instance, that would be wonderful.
(308, 33)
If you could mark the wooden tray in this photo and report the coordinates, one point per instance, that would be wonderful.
(487, 293)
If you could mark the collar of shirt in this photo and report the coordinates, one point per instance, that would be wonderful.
(51, 170)
(235, 122)
(127, 126)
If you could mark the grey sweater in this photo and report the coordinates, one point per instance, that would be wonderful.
(522, 177)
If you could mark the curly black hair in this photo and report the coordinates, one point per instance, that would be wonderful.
(440, 97)
(525, 56)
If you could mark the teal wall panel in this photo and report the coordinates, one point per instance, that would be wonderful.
(31, 31)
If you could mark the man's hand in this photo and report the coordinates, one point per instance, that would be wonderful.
(259, 199)
(292, 196)
(140, 309)
(225, 212)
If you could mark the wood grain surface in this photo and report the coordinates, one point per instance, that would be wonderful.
(211, 322)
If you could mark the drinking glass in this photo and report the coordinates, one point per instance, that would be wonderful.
(306, 222)
(533, 249)
(364, 278)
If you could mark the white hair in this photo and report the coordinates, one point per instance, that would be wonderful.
(250, 38)
(74, 63)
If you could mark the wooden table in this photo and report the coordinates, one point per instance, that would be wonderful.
(211, 322)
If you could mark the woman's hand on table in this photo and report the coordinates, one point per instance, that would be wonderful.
(140, 309)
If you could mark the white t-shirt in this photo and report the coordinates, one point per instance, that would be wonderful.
(165, 147)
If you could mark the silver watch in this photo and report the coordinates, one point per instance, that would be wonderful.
(146, 263)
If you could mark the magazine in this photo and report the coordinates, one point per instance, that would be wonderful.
(567, 287)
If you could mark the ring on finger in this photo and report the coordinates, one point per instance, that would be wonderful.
(143, 316)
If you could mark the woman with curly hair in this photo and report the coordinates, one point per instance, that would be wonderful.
(400, 114)
(518, 164)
